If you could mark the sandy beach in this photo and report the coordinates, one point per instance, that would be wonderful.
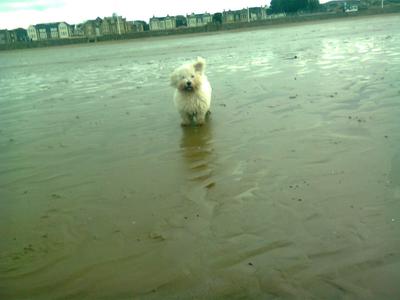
(291, 191)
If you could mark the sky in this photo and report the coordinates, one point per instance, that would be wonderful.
(22, 13)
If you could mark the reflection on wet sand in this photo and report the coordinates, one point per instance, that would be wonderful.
(198, 152)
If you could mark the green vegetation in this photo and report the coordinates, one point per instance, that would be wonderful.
(293, 6)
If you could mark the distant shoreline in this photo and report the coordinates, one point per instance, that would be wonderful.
(210, 28)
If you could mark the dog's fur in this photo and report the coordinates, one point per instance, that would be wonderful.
(193, 92)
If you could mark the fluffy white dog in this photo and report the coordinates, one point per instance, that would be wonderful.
(193, 92)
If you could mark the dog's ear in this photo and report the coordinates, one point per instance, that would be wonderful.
(200, 64)
(174, 79)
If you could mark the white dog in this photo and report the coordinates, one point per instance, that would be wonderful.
(193, 92)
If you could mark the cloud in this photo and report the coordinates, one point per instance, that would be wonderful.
(31, 5)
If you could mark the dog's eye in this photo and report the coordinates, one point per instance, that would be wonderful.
(192, 76)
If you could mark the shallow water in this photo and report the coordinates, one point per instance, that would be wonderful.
(290, 191)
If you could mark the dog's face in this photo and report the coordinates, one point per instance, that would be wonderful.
(188, 78)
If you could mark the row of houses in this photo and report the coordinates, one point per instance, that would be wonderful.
(60, 30)
(114, 25)
(117, 25)
(196, 20)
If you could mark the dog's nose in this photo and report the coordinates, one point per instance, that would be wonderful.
(188, 83)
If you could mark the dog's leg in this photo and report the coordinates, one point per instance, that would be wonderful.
(186, 120)
(201, 118)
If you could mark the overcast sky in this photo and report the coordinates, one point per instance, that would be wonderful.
(22, 13)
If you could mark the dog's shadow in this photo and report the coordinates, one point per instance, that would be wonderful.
(198, 150)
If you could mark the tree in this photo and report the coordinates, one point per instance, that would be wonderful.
(276, 6)
(217, 18)
(313, 5)
(181, 21)
(293, 6)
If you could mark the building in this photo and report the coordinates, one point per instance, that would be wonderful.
(170, 22)
(47, 31)
(43, 31)
(105, 27)
(135, 26)
(77, 30)
(21, 35)
(40, 32)
(196, 20)
(91, 28)
(64, 30)
(13, 36)
(157, 24)
(33, 33)
(249, 14)
(350, 8)
(257, 13)
(342, 6)
(234, 16)
(115, 25)
(54, 34)
(164, 23)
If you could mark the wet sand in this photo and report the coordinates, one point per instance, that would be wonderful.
(291, 191)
